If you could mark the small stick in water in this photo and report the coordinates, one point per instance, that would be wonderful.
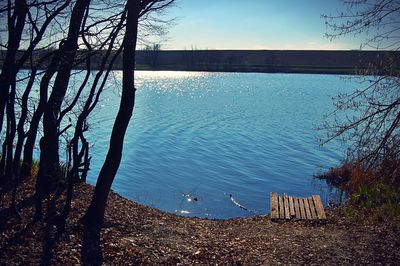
(237, 203)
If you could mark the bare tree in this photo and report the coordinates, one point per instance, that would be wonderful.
(81, 122)
(49, 144)
(87, 29)
(372, 120)
(35, 17)
(16, 15)
(135, 10)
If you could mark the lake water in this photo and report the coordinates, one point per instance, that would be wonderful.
(197, 138)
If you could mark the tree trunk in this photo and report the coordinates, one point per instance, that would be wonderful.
(21, 122)
(11, 133)
(49, 156)
(95, 212)
(16, 23)
(37, 115)
(52, 109)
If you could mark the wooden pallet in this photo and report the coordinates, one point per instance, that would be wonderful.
(287, 207)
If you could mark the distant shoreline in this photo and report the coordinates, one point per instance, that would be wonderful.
(276, 70)
(261, 61)
(265, 61)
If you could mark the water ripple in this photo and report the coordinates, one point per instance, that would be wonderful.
(209, 135)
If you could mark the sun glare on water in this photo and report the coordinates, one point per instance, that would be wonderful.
(169, 74)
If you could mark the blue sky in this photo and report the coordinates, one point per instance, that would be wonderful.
(254, 24)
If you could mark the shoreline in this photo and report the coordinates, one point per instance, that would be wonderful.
(135, 234)
(339, 62)
(283, 70)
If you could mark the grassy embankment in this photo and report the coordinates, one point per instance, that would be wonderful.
(372, 196)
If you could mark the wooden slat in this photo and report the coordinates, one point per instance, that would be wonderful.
(286, 203)
(312, 209)
(274, 205)
(281, 208)
(297, 208)
(307, 208)
(302, 210)
(319, 207)
(291, 207)
(287, 207)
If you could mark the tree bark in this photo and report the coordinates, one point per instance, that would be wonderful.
(16, 23)
(52, 109)
(22, 120)
(49, 153)
(95, 212)
(37, 115)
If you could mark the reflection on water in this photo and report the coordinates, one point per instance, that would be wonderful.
(196, 138)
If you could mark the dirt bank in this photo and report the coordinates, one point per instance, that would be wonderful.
(134, 234)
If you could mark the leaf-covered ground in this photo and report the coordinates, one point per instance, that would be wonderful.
(134, 234)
